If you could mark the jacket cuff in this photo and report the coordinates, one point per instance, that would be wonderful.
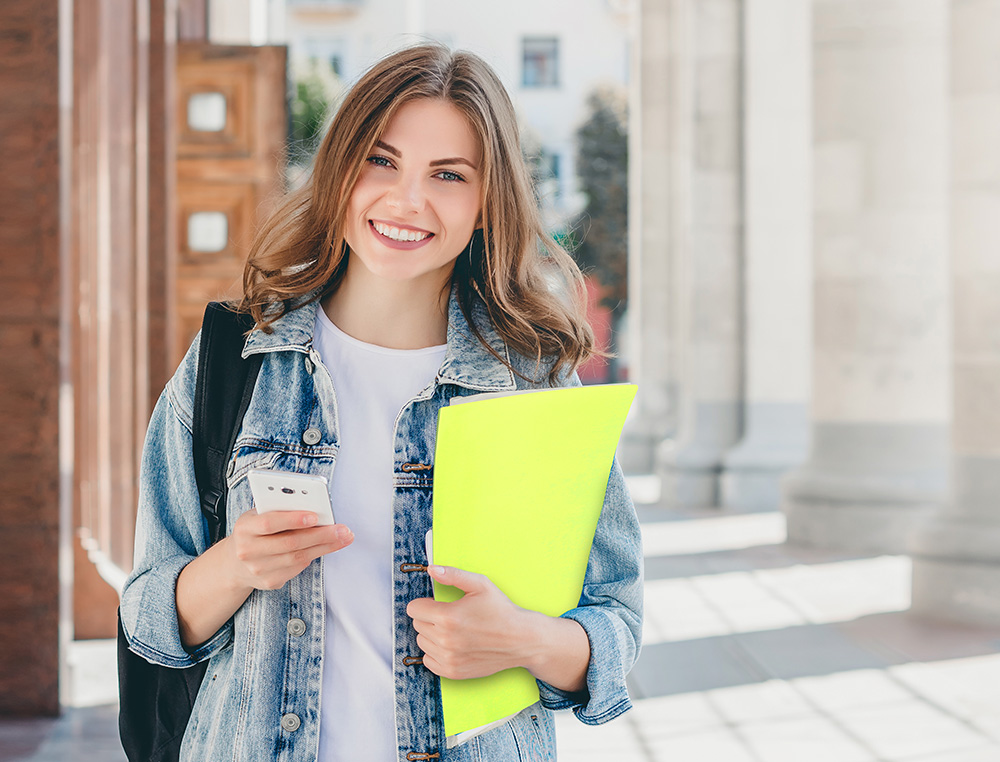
(606, 696)
(158, 604)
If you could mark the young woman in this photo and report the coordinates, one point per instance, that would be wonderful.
(410, 270)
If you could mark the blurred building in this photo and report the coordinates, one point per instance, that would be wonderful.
(814, 251)
(138, 158)
(549, 55)
(815, 263)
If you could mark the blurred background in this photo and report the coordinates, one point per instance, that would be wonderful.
(788, 215)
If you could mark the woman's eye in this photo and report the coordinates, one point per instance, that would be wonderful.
(451, 177)
(379, 161)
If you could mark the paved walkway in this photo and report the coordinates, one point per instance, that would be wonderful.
(753, 652)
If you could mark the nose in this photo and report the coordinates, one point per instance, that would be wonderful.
(406, 195)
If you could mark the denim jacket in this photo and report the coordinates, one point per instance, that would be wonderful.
(260, 699)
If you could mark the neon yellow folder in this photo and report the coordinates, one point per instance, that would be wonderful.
(519, 482)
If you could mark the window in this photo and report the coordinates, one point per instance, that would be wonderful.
(207, 232)
(328, 52)
(545, 174)
(541, 62)
(206, 112)
(552, 159)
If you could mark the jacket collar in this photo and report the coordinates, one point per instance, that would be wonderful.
(466, 363)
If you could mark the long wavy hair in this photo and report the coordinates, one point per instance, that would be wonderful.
(531, 288)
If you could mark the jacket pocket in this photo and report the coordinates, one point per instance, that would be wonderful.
(272, 457)
(528, 736)
(534, 734)
(245, 460)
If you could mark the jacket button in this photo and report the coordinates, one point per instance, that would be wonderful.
(309, 366)
(311, 436)
(296, 627)
(290, 722)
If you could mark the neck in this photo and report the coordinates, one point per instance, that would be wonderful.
(393, 314)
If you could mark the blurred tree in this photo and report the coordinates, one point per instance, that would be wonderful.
(531, 151)
(543, 179)
(314, 89)
(602, 169)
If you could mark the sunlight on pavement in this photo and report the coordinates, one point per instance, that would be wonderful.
(769, 653)
(856, 716)
(93, 673)
(766, 599)
(968, 688)
(704, 535)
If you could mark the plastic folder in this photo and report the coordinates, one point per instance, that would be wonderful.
(519, 482)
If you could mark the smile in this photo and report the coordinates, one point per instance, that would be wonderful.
(399, 235)
(396, 238)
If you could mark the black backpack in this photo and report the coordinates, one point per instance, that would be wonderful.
(156, 701)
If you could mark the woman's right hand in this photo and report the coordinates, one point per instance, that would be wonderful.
(263, 552)
(267, 549)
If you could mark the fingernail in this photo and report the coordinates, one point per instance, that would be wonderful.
(343, 533)
(309, 519)
(438, 570)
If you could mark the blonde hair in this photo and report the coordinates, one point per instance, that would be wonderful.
(530, 287)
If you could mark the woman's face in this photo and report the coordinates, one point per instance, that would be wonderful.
(418, 198)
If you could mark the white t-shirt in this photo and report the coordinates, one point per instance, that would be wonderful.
(372, 384)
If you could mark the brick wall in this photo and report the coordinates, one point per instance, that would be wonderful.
(29, 346)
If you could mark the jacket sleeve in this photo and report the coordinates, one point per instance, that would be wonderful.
(170, 530)
(610, 610)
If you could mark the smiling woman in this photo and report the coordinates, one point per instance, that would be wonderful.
(411, 270)
(303, 250)
(419, 192)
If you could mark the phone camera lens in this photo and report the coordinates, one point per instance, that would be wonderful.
(288, 490)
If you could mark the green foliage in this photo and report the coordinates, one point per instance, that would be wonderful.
(602, 168)
(314, 89)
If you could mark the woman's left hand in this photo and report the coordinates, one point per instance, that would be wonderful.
(481, 633)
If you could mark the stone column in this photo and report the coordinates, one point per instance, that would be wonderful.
(956, 556)
(881, 384)
(778, 244)
(659, 160)
(707, 274)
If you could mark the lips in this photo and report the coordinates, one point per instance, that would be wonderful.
(393, 243)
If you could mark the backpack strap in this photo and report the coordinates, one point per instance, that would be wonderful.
(222, 394)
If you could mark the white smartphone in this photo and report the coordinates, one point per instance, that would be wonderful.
(287, 491)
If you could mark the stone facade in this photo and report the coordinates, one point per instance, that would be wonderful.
(880, 420)
(777, 267)
(659, 179)
(956, 556)
(830, 343)
(707, 268)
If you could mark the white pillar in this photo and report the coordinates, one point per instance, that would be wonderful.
(415, 17)
(659, 196)
(707, 277)
(880, 371)
(230, 22)
(778, 252)
(956, 557)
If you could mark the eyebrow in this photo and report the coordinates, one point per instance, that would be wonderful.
(436, 163)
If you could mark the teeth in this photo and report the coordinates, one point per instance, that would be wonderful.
(399, 235)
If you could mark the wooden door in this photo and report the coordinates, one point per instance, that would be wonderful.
(231, 126)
